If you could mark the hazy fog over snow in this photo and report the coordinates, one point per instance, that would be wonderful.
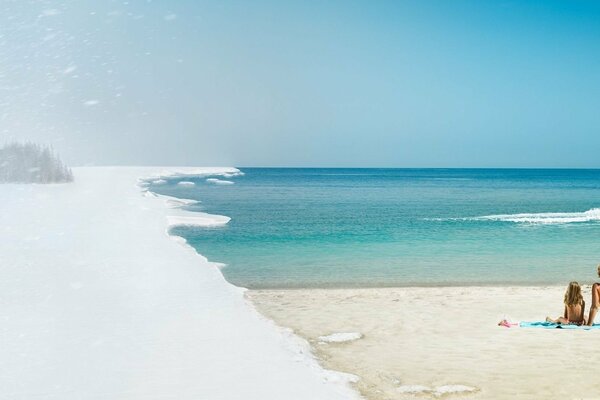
(348, 83)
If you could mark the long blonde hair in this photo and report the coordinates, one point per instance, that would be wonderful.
(573, 294)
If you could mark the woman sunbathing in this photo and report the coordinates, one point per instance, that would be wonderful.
(574, 307)
(595, 300)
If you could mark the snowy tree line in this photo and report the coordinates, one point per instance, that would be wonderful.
(32, 163)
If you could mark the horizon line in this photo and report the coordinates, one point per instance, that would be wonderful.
(329, 167)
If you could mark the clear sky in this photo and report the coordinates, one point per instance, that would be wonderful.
(304, 83)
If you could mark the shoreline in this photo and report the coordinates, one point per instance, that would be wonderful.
(177, 215)
(359, 353)
(408, 286)
(99, 302)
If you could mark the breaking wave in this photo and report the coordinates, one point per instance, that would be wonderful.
(546, 218)
(538, 218)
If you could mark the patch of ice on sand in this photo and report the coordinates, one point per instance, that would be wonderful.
(438, 391)
(448, 389)
(414, 389)
(340, 337)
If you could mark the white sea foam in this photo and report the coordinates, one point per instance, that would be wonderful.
(340, 337)
(219, 181)
(553, 218)
(545, 218)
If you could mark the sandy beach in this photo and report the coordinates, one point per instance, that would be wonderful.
(442, 341)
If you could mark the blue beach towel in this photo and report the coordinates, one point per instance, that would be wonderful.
(550, 325)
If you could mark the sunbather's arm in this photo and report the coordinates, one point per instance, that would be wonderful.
(594, 306)
(593, 311)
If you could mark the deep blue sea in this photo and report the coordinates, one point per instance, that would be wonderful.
(399, 227)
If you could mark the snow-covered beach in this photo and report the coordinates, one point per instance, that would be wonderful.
(97, 302)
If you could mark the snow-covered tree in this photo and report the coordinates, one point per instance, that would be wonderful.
(32, 163)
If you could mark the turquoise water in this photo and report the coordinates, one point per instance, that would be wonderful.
(398, 227)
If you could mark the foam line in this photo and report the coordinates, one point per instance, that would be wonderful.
(545, 218)
(553, 218)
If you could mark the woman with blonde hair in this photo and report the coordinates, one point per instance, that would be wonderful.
(574, 307)
(595, 300)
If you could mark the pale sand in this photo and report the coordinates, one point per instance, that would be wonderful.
(432, 337)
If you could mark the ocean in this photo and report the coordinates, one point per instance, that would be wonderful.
(322, 227)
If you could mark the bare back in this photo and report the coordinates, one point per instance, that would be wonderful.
(574, 312)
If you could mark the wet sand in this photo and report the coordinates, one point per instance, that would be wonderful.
(442, 342)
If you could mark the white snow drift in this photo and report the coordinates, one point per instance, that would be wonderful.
(98, 303)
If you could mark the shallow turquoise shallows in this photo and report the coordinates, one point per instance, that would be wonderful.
(399, 227)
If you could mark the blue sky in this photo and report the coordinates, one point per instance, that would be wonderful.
(311, 83)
